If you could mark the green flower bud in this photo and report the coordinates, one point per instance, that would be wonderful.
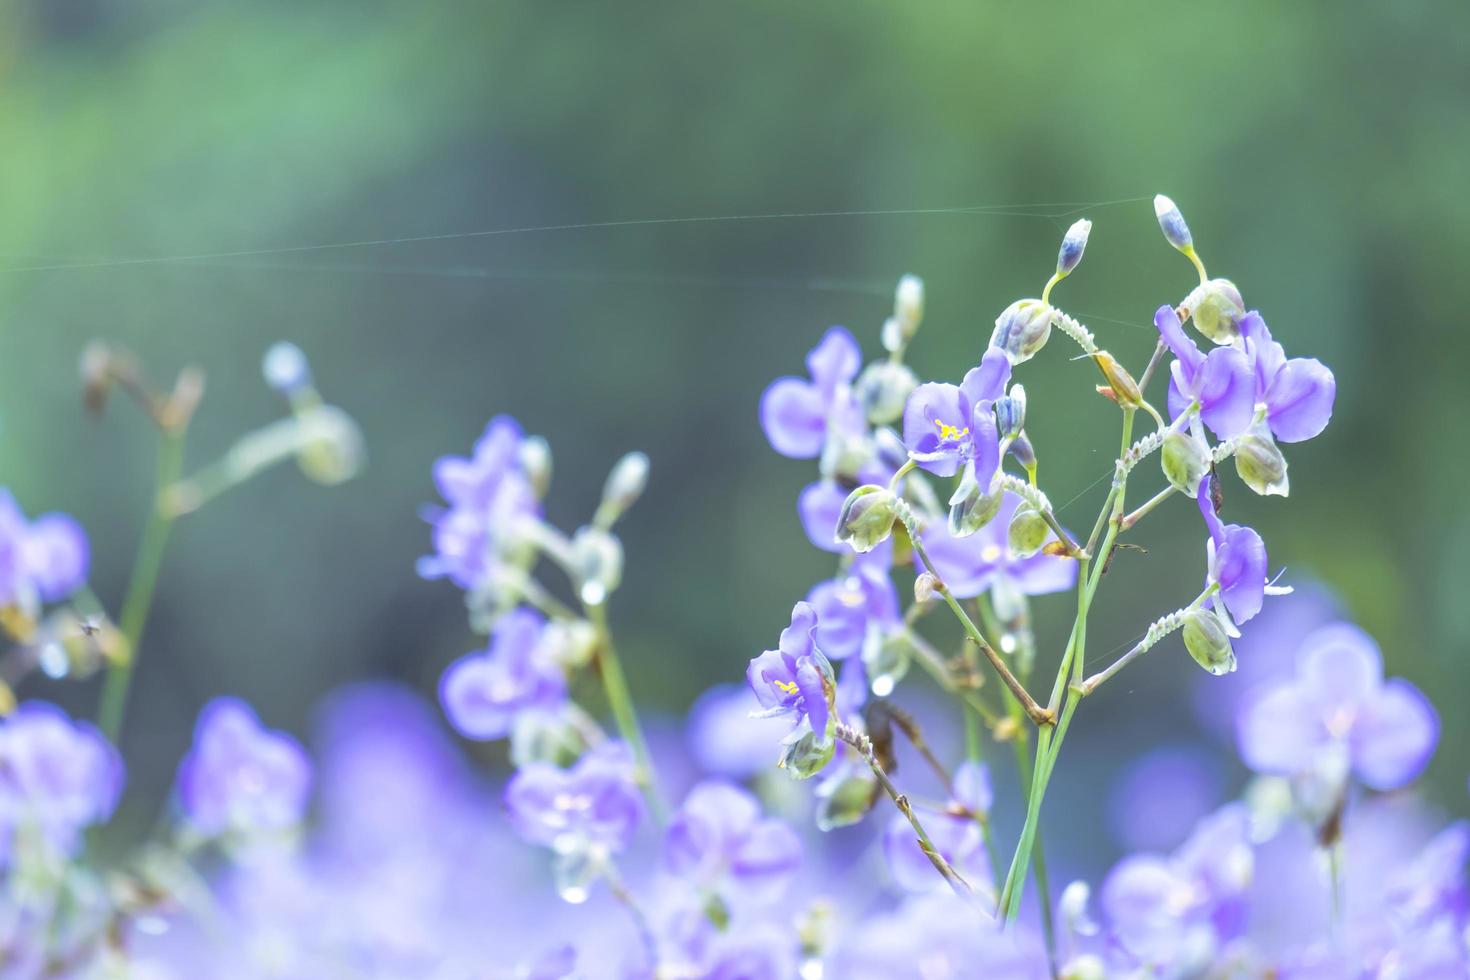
(886, 658)
(1216, 307)
(559, 738)
(807, 755)
(844, 799)
(331, 445)
(597, 557)
(1125, 389)
(972, 506)
(1207, 641)
(1260, 463)
(535, 460)
(1171, 223)
(1073, 245)
(1010, 412)
(1022, 329)
(1027, 532)
(867, 517)
(625, 483)
(908, 304)
(1185, 461)
(926, 587)
(883, 389)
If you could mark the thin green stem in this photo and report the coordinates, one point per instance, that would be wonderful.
(141, 586)
(620, 699)
(1149, 505)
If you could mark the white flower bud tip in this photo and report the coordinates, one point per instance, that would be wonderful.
(285, 368)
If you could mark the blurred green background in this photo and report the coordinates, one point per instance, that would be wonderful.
(1319, 151)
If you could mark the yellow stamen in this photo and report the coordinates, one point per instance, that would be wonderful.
(948, 432)
(788, 686)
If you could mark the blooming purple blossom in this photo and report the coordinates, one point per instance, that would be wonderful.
(57, 777)
(240, 777)
(795, 413)
(852, 606)
(1297, 392)
(948, 426)
(958, 839)
(595, 804)
(483, 692)
(485, 493)
(795, 678)
(1235, 562)
(1339, 703)
(44, 560)
(983, 561)
(719, 835)
(1220, 380)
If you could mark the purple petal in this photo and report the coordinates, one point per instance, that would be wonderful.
(842, 618)
(988, 381)
(1240, 562)
(819, 506)
(1207, 509)
(1172, 332)
(796, 639)
(764, 672)
(835, 360)
(1226, 392)
(972, 788)
(813, 688)
(794, 417)
(967, 565)
(985, 439)
(1278, 732)
(468, 693)
(1178, 401)
(1043, 574)
(57, 556)
(1299, 401)
(702, 836)
(767, 858)
(1393, 741)
(1267, 356)
(1339, 670)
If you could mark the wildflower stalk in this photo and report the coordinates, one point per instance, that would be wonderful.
(1160, 628)
(139, 599)
(864, 747)
(620, 700)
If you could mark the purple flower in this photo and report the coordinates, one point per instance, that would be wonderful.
(724, 739)
(1220, 380)
(57, 777)
(1173, 914)
(44, 560)
(486, 494)
(983, 561)
(972, 788)
(1339, 702)
(820, 505)
(795, 412)
(483, 692)
(958, 839)
(719, 834)
(1160, 796)
(594, 805)
(848, 608)
(1236, 562)
(1298, 392)
(241, 777)
(947, 426)
(795, 679)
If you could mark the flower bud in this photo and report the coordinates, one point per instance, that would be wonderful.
(597, 557)
(1022, 329)
(1260, 463)
(625, 484)
(926, 587)
(883, 389)
(1010, 412)
(1171, 222)
(556, 737)
(568, 643)
(806, 756)
(845, 798)
(1023, 451)
(285, 368)
(1125, 389)
(867, 518)
(1073, 245)
(1185, 460)
(1208, 642)
(331, 449)
(886, 659)
(1217, 309)
(972, 506)
(1027, 532)
(908, 304)
(534, 456)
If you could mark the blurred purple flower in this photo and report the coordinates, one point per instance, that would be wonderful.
(1297, 393)
(57, 777)
(593, 805)
(850, 606)
(982, 561)
(1220, 380)
(483, 692)
(947, 426)
(795, 412)
(1157, 798)
(486, 494)
(720, 835)
(240, 777)
(724, 739)
(958, 839)
(1236, 562)
(794, 679)
(44, 560)
(939, 936)
(1338, 701)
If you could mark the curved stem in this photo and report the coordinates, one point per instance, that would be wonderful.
(620, 699)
